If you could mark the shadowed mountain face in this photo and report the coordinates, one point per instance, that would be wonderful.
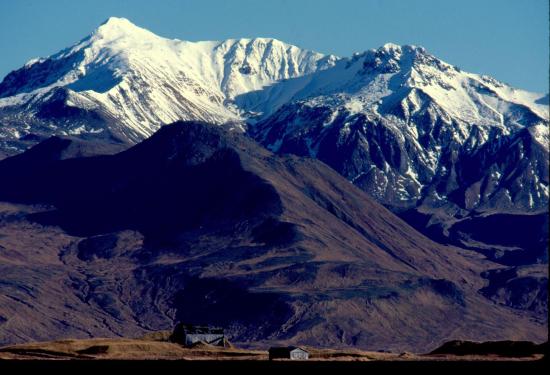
(200, 224)
(178, 183)
(438, 146)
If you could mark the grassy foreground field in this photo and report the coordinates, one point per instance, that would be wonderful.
(149, 348)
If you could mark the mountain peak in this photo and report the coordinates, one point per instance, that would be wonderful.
(117, 22)
(390, 47)
(393, 48)
(115, 27)
(391, 58)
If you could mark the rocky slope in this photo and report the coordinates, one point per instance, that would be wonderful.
(200, 224)
(442, 147)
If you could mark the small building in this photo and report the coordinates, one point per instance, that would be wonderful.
(288, 352)
(188, 335)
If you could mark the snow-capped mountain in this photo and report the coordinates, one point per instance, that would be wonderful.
(418, 133)
(125, 82)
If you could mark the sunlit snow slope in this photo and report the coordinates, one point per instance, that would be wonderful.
(125, 82)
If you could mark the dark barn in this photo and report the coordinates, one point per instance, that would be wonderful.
(188, 335)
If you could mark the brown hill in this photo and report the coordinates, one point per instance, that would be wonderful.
(200, 224)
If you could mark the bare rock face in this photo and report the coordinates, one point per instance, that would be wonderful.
(438, 146)
(199, 224)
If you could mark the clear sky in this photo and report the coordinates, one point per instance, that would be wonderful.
(507, 39)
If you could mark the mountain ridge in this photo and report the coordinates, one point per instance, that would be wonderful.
(421, 136)
(113, 56)
(108, 72)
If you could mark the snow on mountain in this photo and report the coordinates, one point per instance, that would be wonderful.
(135, 81)
(374, 80)
(417, 133)
(413, 131)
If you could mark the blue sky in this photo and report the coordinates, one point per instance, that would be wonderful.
(507, 39)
